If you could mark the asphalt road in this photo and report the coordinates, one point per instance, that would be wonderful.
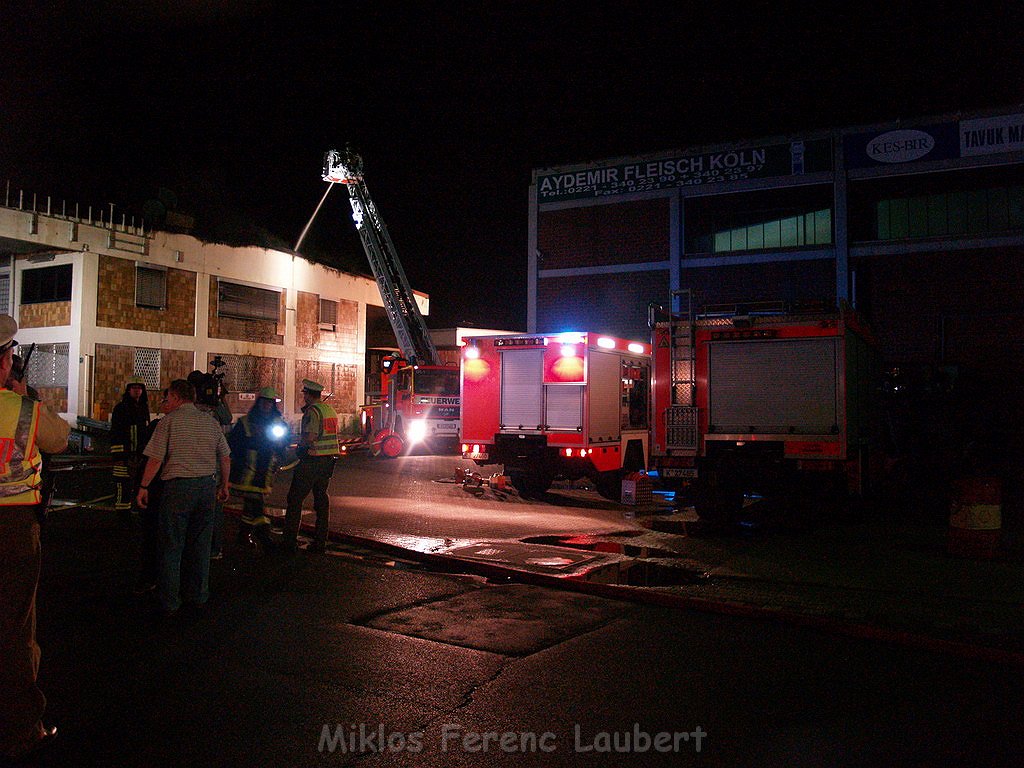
(359, 658)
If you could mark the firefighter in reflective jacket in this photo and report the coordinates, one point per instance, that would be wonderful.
(129, 427)
(317, 450)
(258, 443)
(26, 428)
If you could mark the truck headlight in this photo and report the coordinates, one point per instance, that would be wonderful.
(417, 430)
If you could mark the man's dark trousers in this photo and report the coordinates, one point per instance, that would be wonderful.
(313, 473)
(186, 530)
(21, 701)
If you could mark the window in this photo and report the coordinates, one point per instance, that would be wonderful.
(328, 314)
(998, 209)
(822, 226)
(245, 302)
(150, 288)
(46, 284)
(242, 373)
(1015, 207)
(940, 214)
(48, 366)
(5, 293)
(790, 232)
(635, 393)
(936, 213)
(917, 217)
(147, 365)
(811, 228)
(435, 382)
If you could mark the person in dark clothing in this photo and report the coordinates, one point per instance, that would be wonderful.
(149, 520)
(258, 444)
(317, 450)
(129, 429)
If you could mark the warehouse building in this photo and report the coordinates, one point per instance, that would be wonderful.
(918, 224)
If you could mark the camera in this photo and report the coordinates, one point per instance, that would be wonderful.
(210, 387)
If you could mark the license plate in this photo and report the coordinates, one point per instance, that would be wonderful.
(686, 472)
(446, 426)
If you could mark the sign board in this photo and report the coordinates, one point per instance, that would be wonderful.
(793, 158)
(942, 141)
(991, 135)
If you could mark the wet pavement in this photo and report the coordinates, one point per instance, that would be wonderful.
(877, 575)
(438, 608)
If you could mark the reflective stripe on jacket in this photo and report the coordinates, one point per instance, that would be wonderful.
(252, 456)
(326, 442)
(129, 429)
(20, 460)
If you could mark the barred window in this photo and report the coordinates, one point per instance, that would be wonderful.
(242, 373)
(5, 293)
(147, 365)
(48, 366)
(245, 302)
(150, 286)
(329, 314)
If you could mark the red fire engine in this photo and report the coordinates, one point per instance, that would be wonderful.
(567, 404)
(763, 401)
(418, 403)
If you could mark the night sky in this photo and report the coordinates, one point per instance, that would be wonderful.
(232, 105)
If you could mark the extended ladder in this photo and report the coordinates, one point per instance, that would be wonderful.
(400, 304)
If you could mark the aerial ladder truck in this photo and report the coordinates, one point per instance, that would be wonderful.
(420, 398)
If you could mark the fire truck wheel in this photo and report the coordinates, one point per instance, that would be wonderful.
(391, 445)
(531, 485)
(609, 485)
(717, 503)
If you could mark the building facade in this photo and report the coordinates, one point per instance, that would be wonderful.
(105, 301)
(918, 224)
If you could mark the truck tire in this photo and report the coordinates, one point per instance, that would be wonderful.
(609, 484)
(716, 500)
(530, 484)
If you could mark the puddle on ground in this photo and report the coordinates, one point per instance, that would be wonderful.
(653, 566)
(651, 573)
(601, 544)
(657, 572)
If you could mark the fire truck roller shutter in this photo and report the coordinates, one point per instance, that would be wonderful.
(784, 386)
(521, 389)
